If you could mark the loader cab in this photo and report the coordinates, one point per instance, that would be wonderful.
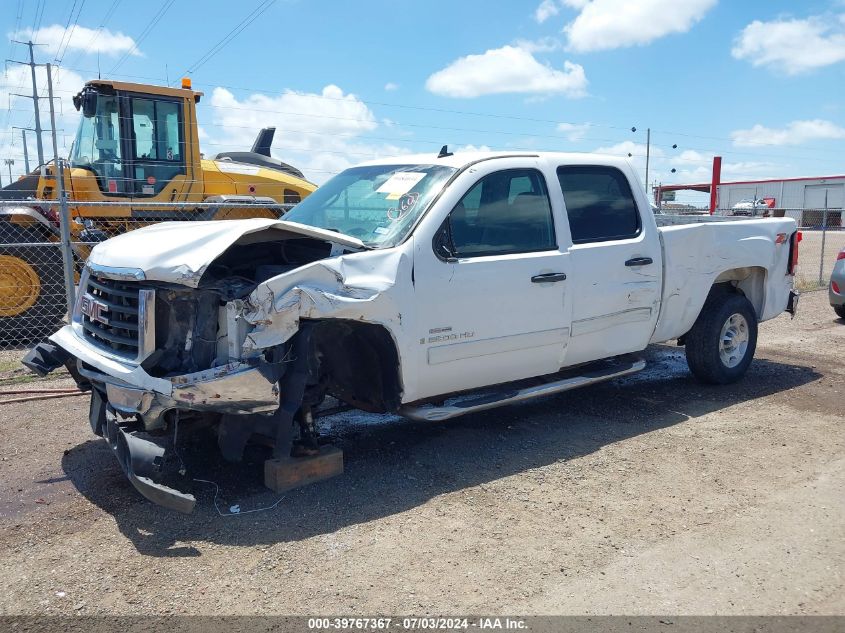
(138, 141)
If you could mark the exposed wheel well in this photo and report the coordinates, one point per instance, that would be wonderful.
(359, 364)
(749, 281)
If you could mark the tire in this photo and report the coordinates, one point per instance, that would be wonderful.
(721, 344)
(840, 311)
(32, 291)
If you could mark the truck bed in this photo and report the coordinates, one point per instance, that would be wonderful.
(696, 251)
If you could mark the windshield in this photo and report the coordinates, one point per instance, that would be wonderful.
(377, 204)
(97, 145)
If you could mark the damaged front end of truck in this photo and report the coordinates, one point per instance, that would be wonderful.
(242, 327)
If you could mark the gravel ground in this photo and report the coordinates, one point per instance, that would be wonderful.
(652, 494)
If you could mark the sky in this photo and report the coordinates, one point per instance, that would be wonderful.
(759, 82)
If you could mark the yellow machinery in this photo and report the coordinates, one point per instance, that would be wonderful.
(137, 146)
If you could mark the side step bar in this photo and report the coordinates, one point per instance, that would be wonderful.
(470, 403)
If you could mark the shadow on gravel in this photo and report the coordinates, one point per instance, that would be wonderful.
(393, 464)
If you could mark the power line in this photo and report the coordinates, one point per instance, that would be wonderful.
(64, 33)
(147, 30)
(61, 54)
(249, 19)
(108, 15)
(490, 115)
(12, 44)
(39, 15)
(499, 132)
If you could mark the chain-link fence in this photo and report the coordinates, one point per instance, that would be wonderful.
(823, 237)
(32, 286)
(33, 295)
(33, 291)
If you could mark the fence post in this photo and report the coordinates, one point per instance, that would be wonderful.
(64, 212)
(824, 235)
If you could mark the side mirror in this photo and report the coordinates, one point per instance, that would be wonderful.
(89, 104)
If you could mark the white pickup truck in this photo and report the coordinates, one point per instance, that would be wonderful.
(430, 286)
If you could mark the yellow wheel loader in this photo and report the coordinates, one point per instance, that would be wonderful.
(136, 146)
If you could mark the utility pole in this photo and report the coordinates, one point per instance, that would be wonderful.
(9, 162)
(64, 212)
(25, 150)
(34, 96)
(647, 153)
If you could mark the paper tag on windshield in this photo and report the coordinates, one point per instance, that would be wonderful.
(400, 183)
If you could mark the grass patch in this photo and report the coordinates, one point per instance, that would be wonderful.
(25, 377)
(8, 365)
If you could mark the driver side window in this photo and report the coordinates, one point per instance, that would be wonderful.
(505, 212)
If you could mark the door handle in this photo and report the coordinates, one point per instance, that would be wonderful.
(548, 278)
(639, 261)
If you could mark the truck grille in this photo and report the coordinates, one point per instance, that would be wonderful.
(110, 311)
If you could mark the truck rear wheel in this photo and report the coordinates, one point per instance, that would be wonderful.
(720, 346)
(32, 292)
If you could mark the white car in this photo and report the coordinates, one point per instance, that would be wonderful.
(750, 207)
(430, 286)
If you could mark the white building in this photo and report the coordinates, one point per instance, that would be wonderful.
(801, 198)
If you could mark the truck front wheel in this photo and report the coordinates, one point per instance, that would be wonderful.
(720, 346)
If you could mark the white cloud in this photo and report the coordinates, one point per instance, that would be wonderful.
(509, 69)
(574, 131)
(545, 10)
(471, 148)
(792, 46)
(637, 153)
(318, 133)
(608, 24)
(543, 45)
(390, 86)
(80, 39)
(795, 133)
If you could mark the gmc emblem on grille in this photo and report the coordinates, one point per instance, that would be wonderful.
(93, 309)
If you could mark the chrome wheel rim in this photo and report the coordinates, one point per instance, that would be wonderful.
(733, 342)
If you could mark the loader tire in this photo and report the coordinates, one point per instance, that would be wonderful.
(32, 291)
(721, 344)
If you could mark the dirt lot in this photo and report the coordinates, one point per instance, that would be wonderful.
(652, 494)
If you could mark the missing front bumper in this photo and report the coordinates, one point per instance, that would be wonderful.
(128, 406)
(141, 456)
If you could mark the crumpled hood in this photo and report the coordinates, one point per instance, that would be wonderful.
(179, 252)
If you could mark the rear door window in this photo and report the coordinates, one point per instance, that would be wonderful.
(599, 203)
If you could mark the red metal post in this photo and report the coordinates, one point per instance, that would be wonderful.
(714, 183)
